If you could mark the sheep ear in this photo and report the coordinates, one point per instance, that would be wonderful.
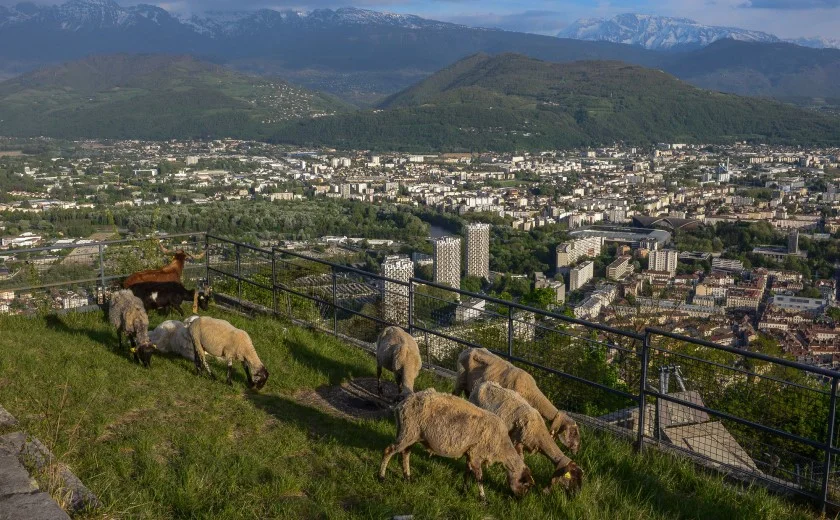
(154, 346)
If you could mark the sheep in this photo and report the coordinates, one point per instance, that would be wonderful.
(174, 337)
(222, 340)
(397, 351)
(172, 272)
(127, 315)
(169, 295)
(479, 364)
(527, 430)
(452, 427)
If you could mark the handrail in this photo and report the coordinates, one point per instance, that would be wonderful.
(97, 244)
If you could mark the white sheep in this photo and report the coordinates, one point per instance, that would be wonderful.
(527, 430)
(127, 315)
(452, 427)
(174, 337)
(398, 352)
(476, 365)
(222, 340)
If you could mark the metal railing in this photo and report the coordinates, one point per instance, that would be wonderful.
(753, 416)
(75, 276)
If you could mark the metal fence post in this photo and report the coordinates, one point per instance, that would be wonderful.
(102, 266)
(829, 444)
(274, 281)
(207, 259)
(334, 303)
(645, 354)
(410, 306)
(238, 275)
(510, 331)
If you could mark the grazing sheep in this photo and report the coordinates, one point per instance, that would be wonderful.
(452, 427)
(169, 295)
(397, 351)
(174, 337)
(127, 315)
(479, 364)
(527, 430)
(222, 340)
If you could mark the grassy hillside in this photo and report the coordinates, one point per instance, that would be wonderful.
(150, 96)
(511, 101)
(780, 70)
(164, 443)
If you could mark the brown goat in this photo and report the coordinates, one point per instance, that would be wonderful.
(172, 272)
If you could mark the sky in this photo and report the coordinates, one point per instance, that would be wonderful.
(784, 18)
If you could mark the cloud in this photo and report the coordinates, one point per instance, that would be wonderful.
(792, 4)
(532, 21)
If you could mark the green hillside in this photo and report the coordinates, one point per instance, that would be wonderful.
(511, 102)
(164, 443)
(151, 96)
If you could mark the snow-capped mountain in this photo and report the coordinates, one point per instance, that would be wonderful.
(818, 42)
(657, 32)
(85, 15)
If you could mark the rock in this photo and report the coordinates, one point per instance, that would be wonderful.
(31, 506)
(14, 479)
(33, 452)
(7, 420)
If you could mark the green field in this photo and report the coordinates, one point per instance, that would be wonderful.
(165, 443)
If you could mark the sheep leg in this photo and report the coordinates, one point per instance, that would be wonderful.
(400, 378)
(402, 444)
(405, 464)
(519, 448)
(248, 374)
(379, 378)
(460, 383)
(230, 372)
(475, 468)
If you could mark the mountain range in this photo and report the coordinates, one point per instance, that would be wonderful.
(149, 97)
(511, 102)
(483, 102)
(665, 33)
(364, 56)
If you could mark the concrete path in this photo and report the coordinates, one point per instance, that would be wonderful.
(20, 496)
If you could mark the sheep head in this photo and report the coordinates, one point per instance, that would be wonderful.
(566, 431)
(520, 482)
(258, 380)
(569, 477)
(144, 352)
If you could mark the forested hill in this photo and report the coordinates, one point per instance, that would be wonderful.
(511, 101)
(151, 96)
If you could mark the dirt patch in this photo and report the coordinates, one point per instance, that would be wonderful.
(113, 429)
(354, 399)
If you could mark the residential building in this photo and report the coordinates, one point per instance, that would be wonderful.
(568, 253)
(447, 266)
(478, 250)
(581, 274)
(620, 268)
(663, 260)
(395, 299)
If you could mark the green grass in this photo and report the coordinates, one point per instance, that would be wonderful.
(164, 443)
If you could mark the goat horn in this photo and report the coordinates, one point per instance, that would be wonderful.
(199, 257)
(165, 251)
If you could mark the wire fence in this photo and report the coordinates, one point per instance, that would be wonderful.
(77, 275)
(752, 416)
